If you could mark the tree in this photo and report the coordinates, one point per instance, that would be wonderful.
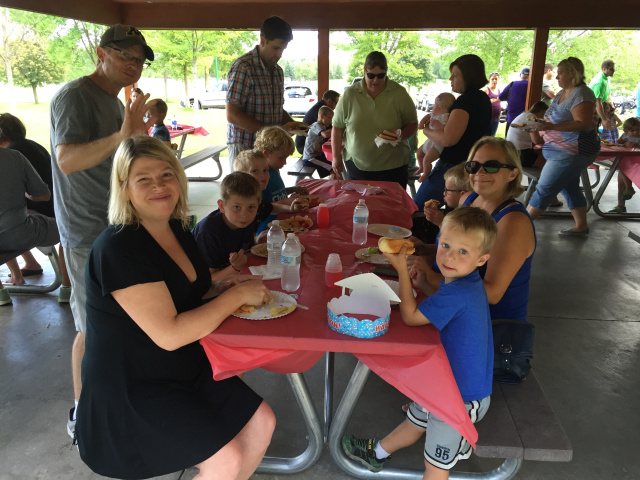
(288, 69)
(336, 72)
(306, 71)
(407, 57)
(32, 68)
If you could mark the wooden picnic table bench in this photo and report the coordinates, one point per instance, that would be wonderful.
(212, 152)
(300, 171)
(519, 425)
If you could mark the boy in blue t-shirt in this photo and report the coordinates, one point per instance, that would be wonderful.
(155, 116)
(460, 311)
(319, 132)
(225, 234)
(276, 145)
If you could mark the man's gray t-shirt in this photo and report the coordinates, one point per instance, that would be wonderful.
(18, 176)
(82, 112)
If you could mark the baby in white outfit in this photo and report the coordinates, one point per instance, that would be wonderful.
(429, 152)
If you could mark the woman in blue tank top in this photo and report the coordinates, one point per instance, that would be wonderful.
(495, 174)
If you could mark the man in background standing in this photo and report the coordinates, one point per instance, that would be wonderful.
(547, 94)
(87, 124)
(256, 88)
(515, 94)
(330, 99)
(601, 86)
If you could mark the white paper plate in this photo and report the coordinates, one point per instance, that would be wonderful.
(260, 250)
(395, 286)
(385, 230)
(376, 258)
(280, 299)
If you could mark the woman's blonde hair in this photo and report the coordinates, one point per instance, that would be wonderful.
(575, 65)
(121, 212)
(273, 139)
(511, 157)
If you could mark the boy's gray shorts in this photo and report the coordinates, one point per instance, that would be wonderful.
(443, 445)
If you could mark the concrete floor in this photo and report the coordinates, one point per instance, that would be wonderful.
(585, 300)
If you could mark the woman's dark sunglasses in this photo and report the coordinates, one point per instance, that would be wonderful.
(491, 166)
(371, 76)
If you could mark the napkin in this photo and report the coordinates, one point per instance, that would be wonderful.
(262, 270)
(381, 141)
(363, 189)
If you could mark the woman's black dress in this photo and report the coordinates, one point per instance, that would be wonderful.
(145, 411)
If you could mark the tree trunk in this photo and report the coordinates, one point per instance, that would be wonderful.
(186, 84)
(206, 77)
(35, 94)
(194, 73)
(166, 85)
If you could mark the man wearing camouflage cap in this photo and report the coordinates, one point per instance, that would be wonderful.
(87, 123)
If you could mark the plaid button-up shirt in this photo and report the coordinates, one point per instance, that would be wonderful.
(258, 92)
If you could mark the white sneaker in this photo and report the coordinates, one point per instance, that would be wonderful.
(71, 425)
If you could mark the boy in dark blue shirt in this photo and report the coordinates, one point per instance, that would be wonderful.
(460, 311)
(156, 116)
(225, 234)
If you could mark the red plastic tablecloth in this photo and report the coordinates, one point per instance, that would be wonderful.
(412, 359)
(629, 164)
(186, 130)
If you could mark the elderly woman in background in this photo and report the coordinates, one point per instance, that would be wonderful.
(366, 109)
(571, 144)
(470, 120)
(493, 91)
(149, 404)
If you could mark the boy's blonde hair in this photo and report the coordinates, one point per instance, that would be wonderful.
(511, 157)
(445, 100)
(273, 139)
(476, 222)
(630, 123)
(325, 110)
(242, 163)
(121, 212)
(458, 177)
(240, 184)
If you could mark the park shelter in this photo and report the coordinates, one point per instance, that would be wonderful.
(323, 16)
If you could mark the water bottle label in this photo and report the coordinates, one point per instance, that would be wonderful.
(274, 245)
(360, 219)
(289, 261)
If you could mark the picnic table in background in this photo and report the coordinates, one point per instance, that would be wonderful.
(622, 158)
(183, 131)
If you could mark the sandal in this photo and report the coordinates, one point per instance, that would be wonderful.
(30, 273)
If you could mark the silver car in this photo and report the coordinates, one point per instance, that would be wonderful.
(298, 99)
(213, 97)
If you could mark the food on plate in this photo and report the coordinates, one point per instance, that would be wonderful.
(244, 309)
(282, 310)
(315, 200)
(517, 125)
(394, 245)
(388, 135)
(296, 223)
(260, 250)
(297, 126)
(608, 144)
(372, 250)
(301, 203)
(433, 203)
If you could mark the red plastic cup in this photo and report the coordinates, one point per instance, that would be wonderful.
(323, 215)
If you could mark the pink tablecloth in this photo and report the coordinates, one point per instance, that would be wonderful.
(186, 130)
(629, 164)
(411, 359)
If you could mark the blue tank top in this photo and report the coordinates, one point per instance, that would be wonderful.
(515, 300)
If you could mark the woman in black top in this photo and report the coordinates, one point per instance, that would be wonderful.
(470, 120)
(149, 405)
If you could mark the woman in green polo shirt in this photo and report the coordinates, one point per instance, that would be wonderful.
(366, 109)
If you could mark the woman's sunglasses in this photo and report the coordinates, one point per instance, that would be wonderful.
(491, 166)
(371, 76)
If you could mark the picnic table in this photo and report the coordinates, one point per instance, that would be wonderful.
(622, 158)
(409, 358)
(182, 131)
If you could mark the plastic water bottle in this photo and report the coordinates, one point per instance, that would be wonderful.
(174, 123)
(275, 239)
(360, 223)
(290, 281)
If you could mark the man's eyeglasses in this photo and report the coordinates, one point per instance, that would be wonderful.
(490, 166)
(447, 190)
(371, 76)
(127, 57)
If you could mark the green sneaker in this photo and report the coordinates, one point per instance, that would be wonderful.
(362, 450)
(5, 299)
(618, 209)
(193, 220)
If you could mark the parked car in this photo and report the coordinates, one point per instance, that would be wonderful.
(353, 82)
(624, 103)
(298, 99)
(213, 97)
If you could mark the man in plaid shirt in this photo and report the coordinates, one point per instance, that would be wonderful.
(256, 88)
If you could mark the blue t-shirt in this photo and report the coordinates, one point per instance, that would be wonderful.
(216, 241)
(460, 310)
(314, 139)
(275, 191)
(161, 132)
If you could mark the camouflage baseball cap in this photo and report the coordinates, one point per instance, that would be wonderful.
(125, 36)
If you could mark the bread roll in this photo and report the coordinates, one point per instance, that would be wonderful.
(433, 203)
(388, 135)
(394, 245)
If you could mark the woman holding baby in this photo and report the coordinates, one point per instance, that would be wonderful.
(469, 120)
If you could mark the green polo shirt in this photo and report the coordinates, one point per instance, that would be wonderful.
(601, 86)
(363, 118)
